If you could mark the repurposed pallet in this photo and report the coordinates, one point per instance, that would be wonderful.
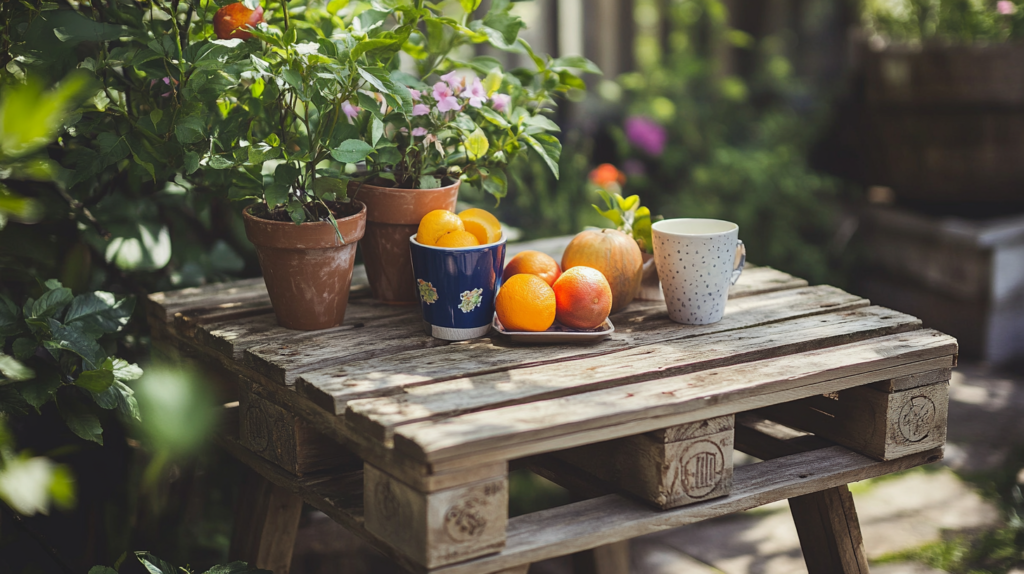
(650, 413)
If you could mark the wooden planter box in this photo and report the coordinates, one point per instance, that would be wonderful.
(946, 123)
(960, 276)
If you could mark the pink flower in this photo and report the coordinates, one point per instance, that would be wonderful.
(453, 81)
(350, 110)
(416, 132)
(420, 110)
(415, 94)
(1005, 7)
(646, 134)
(446, 102)
(501, 102)
(476, 93)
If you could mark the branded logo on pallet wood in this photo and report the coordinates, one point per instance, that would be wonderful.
(256, 431)
(916, 418)
(387, 500)
(703, 466)
(465, 520)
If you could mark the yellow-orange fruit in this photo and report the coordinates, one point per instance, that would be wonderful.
(481, 223)
(614, 254)
(230, 21)
(583, 298)
(535, 263)
(436, 224)
(525, 303)
(458, 239)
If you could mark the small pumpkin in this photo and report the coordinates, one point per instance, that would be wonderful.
(614, 254)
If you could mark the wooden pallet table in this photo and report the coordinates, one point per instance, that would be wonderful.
(407, 440)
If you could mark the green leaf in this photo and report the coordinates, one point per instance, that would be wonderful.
(331, 185)
(236, 568)
(39, 391)
(75, 340)
(540, 124)
(191, 162)
(80, 419)
(492, 81)
(374, 78)
(8, 317)
(612, 215)
(370, 19)
(496, 183)
(351, 151)
(625, 204)
(494, 117)
(24, 348)
(102, 570)
(376, 131)
(261, 152)
(18, 208)
(469, 5)
(155, 565)
(365, 46)
(113, 148)
(477, 144)
(220, 162)
(51, 302)
(296, 211)
(100, 312)
(97, 380)
(31, 117)
(125, 371)
(499, 18)
(190, 129)
(574, 63)
(547, 147)
(429, 182)
(13, 371)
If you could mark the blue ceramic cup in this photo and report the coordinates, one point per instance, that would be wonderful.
(456, 286)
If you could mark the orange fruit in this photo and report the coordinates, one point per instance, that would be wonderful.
(613, 253)
(457, 239)
(583, 298)
(436, 224)
(230, 20)
(536, 263)
(482, 224)
(525, 303)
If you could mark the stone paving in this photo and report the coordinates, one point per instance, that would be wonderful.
(986, 421)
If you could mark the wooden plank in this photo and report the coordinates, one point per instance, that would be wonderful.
(379, 417)
(164, 305)
(266, 522)
(758, 280)
(437, 528)
(596, 522)
(279, 436)
(875, 423)
(693, 430)
(608, 559)
(829, 532)
(665, 474)
(332, 371)
(913, 381)
(641, 405)
(765, 439)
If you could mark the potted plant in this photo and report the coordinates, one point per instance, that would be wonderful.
(629, 217)
(943, 98)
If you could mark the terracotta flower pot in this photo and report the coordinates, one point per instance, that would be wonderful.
(307, 270)
(393, 216)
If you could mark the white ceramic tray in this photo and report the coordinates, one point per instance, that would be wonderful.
(557, 333)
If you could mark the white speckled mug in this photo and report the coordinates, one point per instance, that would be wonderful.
(697, 259)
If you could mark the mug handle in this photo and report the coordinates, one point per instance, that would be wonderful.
(741, 256)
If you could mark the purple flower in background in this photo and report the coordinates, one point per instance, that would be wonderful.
(446, 101)
(501, 102)
(453, 81)
(646, 134)
(350, 110)
(420, 110)
(415, 94)
(476, 93)
(1005, 7)
(416, 132)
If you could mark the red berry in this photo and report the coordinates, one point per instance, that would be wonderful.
(230, 20)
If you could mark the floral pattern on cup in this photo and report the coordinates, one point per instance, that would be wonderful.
(471, 300)
(427, 292)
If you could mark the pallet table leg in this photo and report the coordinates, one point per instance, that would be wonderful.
(266, 522)
(829, 532)
(608, 559)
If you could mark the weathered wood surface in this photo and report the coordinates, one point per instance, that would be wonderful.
(266, 523)
(666, 474)
(379, 417)
(596, 522)
(601, 415)
(875, 423)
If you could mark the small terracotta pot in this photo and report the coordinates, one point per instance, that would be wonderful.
(650, 285)
(307, 270)
(393, 216)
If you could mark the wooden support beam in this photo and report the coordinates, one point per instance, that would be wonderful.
(829, 532)
(266, 522)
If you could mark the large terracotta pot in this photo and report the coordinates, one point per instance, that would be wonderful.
(307, 270)
(393, 215)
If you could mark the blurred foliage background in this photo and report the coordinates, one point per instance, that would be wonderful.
(715, 114)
